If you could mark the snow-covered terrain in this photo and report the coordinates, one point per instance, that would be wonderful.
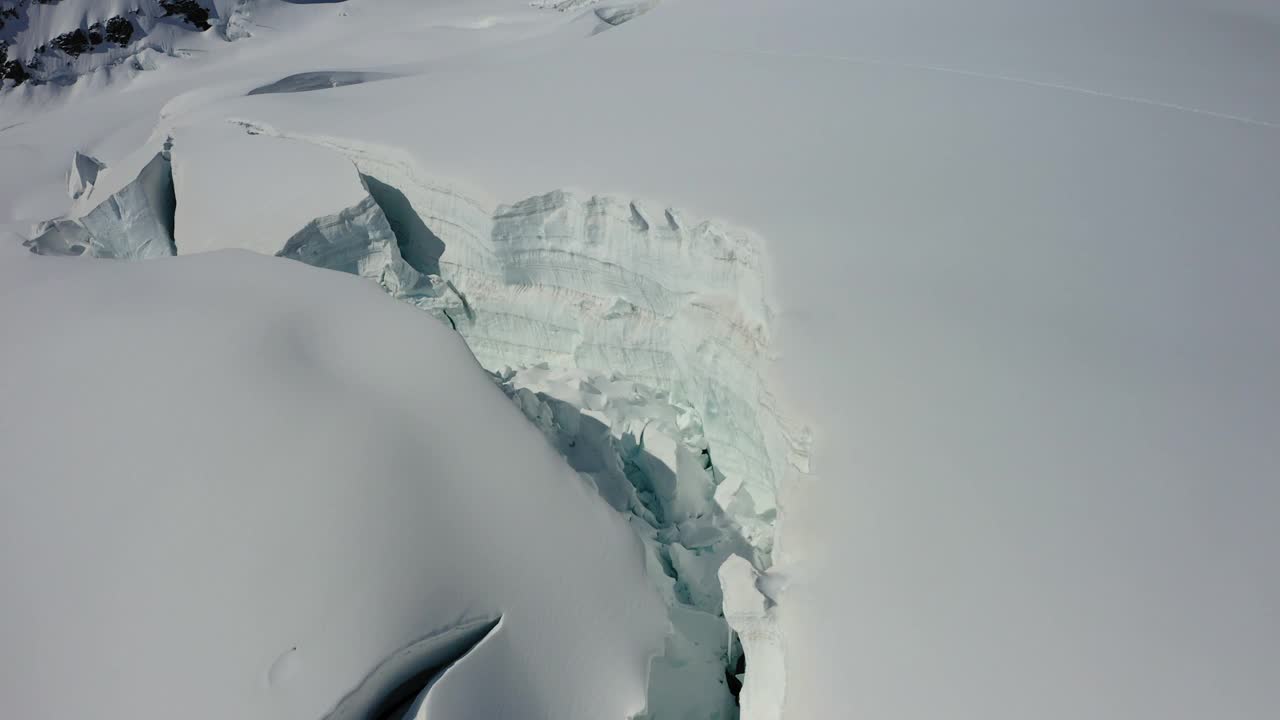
(260, 490)
(918, 352)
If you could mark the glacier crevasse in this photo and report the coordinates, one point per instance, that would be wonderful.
(635, 338)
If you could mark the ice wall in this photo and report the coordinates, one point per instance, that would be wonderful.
(618, 286)
(256, 192)
(646, 455)
(638, 340)
(135, 223)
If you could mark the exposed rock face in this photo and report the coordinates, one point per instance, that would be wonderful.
(192, 12)
(119, 30)
(97, 42)
(72, 43)
(14, 72)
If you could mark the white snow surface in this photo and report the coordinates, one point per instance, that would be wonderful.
(252, 193)
(1023, 255)
(235, 485)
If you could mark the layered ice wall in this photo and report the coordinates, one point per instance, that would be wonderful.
(638, 340)
(617, 286)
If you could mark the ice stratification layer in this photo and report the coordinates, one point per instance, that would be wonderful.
(617, 286)
(634, 336)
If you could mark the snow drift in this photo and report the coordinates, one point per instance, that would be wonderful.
(294, 497)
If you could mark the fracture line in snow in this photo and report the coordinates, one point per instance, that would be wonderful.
(1019, 81)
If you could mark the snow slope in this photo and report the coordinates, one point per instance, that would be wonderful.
(235, 486)
(1023, 256)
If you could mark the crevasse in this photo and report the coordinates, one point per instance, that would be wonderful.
(636, 338)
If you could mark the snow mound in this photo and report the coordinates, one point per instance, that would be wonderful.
(294, 500)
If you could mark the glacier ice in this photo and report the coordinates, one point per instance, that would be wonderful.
(355, 240)
(135, 223)
(607, 284)
(317, 492)
(83, 174)
(262, 207)
(750, 613)
(636, 338)
(647, 457)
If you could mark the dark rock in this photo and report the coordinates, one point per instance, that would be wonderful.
(13, 70)
(73, 43)
(6, 14)
(119, 30)
(189, 10)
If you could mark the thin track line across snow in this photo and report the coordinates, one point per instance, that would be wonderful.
(1017, 80)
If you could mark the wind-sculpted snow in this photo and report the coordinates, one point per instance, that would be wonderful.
(615, 14)
(276, 498)
(406, 678)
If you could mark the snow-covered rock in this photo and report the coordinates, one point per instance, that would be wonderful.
(58, 42)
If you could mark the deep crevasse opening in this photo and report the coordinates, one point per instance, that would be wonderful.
(635, 338)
